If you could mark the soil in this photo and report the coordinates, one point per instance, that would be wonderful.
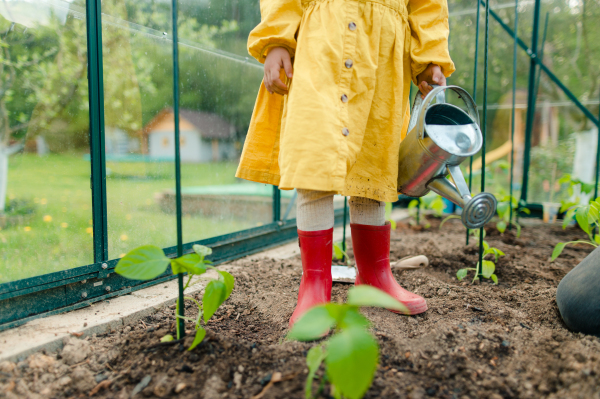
(475, 341)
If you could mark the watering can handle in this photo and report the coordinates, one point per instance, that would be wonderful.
(420, 105)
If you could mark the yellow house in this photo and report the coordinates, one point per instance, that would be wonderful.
(204, 137)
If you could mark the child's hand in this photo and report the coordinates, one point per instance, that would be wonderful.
(277, 59)
(432, 75)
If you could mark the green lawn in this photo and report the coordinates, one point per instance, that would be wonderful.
(58, 235)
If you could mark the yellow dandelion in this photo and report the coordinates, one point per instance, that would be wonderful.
(122, 255)
(64, 225)
(43, 201)
(128, 217)
(124, 237)
(27, 228)
(47, 218)
(89, 230)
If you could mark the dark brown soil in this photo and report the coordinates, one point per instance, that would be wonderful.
(476, 340)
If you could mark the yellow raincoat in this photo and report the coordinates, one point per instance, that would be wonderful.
(341, 124)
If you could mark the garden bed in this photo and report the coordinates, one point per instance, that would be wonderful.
(475, 341)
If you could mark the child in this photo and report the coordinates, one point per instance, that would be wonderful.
(329, 118)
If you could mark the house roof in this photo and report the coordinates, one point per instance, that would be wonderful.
(210, 126)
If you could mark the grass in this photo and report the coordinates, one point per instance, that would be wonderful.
(59, 234)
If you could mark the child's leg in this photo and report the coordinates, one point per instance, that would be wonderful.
(367, 211)
(371, 245)
(314, 210)
(315, 236)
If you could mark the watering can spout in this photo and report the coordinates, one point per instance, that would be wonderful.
(477, 210)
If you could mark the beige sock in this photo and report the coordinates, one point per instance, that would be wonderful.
(314, 210)
(367, 211)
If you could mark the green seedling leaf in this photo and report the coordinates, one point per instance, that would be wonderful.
(351, 361)
(503, 209)
(365, 295)
(143, 263)
(190, 263)
(202, 250)
(597, 239)
(558, 250)
(501, 226)
(413, 204)
(352, 318)
(314, 324)
(486, 246)
(587, 187)
(229, 282)
(494, 279)
(167, 338)
(593, 213)
(568, 217)
(488, 268)
(388, 210)
(582, 219)
(314, 358)
(461, 273)
(393, 224)
(338, 251)
(448, 218)
(566, 178)
(200, 334)
(437, 205)
(214, 296)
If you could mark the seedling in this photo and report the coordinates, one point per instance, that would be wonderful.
(339, 253)
(351, 355)
(488, 266)
(428, 202)
(588, 218)
(388, 215)
(504, 206)
(148, 262)
(569, 207)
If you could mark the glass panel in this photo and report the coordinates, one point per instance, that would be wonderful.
(138, 100)
(219, 84)
(45, 197)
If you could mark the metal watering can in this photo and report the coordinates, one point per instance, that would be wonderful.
(440, 137)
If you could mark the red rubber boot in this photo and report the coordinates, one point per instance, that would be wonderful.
(371, 245)
(315, 287)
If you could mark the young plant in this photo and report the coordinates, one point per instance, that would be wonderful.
(431, 202)
(339, 253)
(148, 262)
(351, 355)
(588, 218)
(488, 266)
(569, 206)
(388, 215)
(504, 206)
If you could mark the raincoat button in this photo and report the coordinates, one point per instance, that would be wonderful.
(349, 63)
(345, 131)
(344, 98)
(352, 26)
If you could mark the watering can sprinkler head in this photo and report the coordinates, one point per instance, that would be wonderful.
(440, 137)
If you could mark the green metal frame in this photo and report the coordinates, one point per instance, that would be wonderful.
(96, 115)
